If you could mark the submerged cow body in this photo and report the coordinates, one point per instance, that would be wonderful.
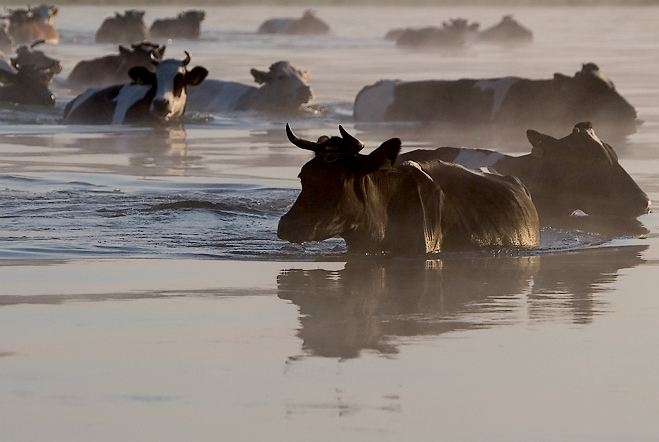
(513, 101)
(29, 25)
(508, 31)
(577, 173)
(455, 33)
(126, 28)
(283, 88)
(153, 97)
(415, 207)
(113, 69)
(308, 24)
(186, 25)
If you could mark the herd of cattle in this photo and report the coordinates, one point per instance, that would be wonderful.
(418, 202)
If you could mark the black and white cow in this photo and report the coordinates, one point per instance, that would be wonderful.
(415, 207)
(513, 101)
(152, 97)
(113, 69)
(577, 173)
(126, 28)
(283, 88)
(186, 25)
(308, 24)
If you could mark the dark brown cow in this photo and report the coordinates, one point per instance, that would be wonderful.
(32, 24)
(29, 56)
(578, 172)
(126, 28)
(186, 25)
(6, 42)
(512, 101)
(27, 85)
(113, 69)
(307, 24)
(416, 207)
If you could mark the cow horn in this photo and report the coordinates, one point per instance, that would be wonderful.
(299, 142)
(354, 141)
(37, 43)
(154, 59)
(187, 59)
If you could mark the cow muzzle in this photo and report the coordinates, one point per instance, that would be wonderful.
(160, 108)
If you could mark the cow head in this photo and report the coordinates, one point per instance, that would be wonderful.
(593, 96)
(169, 83)
(309, 23)
(140, 54)
(282, 86)
(28, 56)
(334, 193)
(586, 174)
(192, 16)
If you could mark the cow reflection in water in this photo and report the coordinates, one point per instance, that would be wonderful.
(368, 305)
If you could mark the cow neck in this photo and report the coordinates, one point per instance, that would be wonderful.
(377, 189)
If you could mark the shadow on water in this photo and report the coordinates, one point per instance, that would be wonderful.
(370, 303)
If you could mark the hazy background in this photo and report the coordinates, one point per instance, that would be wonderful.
(347, 2)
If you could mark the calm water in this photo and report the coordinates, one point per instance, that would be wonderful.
(117, 326)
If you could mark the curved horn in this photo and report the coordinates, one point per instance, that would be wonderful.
(299, 142)
(153, 58)
(37, 43)
(346, 136)
(187, 59)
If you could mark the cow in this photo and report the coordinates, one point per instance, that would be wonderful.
(510, 101)
(283, 88)
(152, 97)
(576, 174)
(123, 28)
(411, 208)
(455, 33)
(26, 86)
(113, 69)
(6, 42)
(308, 24)
(45, 65)
(31, 24)
(186, 25)
(507, 31)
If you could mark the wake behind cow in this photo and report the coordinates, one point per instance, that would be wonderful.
(415, 207)
(578, 172)
(282, 88)
(513, 101)
(152, 97)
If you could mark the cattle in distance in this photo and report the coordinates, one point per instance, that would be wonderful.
(152, 97)
(126, 28)
(411, 208)
(186, 25)
(282, 88)
(512, 101)
(308, 24)
(113, 68)
(578, 173)
(507, 31)
(27, 25)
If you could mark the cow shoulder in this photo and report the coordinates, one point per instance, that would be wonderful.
(414, 213)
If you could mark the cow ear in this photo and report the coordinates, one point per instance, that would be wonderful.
(383, 157)
(142, 75)
(159, 52)
(195, 76)
(541, 143)
(259, 76)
